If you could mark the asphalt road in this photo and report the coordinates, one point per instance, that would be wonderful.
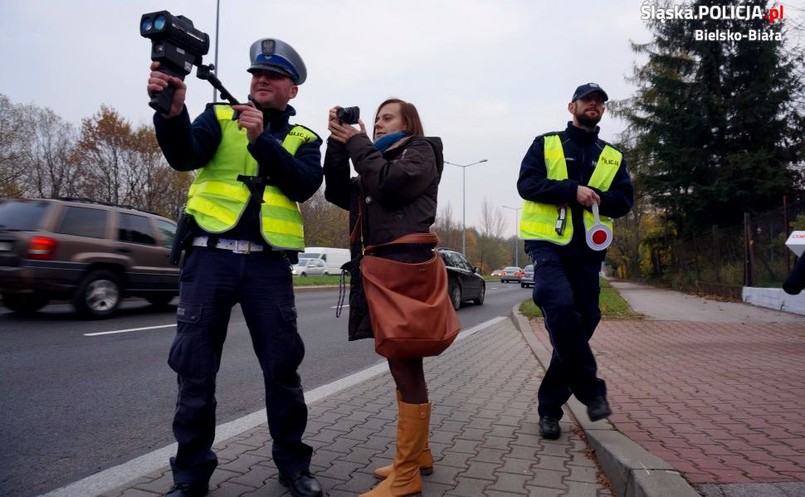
(82, 396)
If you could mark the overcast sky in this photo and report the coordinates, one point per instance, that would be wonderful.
(486, 75)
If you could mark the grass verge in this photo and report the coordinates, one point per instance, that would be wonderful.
(315, 280)
(611, 303)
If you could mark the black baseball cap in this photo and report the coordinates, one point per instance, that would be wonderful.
(586, 89)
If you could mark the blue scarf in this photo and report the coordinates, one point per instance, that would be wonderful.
(386, 141)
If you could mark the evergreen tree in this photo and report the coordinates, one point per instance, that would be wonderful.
(715, 121)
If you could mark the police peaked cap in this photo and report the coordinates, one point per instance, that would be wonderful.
(271, 54)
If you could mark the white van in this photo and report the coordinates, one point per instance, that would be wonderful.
(333, 258)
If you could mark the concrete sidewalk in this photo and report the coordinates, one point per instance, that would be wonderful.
(714, 389)
(705, 398)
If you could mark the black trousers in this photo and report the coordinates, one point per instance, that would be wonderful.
(211, 283)
(566, 290)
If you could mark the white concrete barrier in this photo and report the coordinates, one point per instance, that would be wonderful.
(774, 298)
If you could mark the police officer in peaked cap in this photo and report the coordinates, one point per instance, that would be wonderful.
(252, 168)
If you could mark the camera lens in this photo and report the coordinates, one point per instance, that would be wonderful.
(159, 22)
(147, 25)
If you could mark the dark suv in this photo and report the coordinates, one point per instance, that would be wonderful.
(91, 253)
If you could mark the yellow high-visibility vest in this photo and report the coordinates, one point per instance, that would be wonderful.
(538, 221)
(217, 199)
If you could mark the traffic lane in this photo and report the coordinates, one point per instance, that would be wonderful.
(79, 404)
(329, 355)
(96, 394)
(58, 323)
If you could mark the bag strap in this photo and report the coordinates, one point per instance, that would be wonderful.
(355, 235)
(419, 238)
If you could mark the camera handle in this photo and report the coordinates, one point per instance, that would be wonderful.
(161, 101)
(206, 73)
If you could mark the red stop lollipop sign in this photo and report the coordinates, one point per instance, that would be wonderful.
(599, 236)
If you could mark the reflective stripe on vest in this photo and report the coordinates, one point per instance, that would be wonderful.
(538, 221)
(217, 199)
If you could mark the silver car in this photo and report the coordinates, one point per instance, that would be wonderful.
(309, 267)
(528, 277)
(511, 273)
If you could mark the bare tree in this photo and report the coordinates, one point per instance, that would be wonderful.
(493, 221)
(488, 251)
(149, 182)
(448, 231)
(326, 225)
(50, 157)
(12, 147)
(104, 140)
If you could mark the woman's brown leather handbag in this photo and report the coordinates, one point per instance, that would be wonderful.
(410, 311)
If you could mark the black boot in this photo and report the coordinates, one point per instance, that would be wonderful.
(188, 490)
(301, 484)
(549, 428)
(598, 408)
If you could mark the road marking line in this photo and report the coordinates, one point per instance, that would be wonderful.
(115, 332)
(146, 328)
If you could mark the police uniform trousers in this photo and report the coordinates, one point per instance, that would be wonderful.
(566, 289)
(211, 282)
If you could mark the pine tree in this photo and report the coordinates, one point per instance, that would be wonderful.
(714, 121)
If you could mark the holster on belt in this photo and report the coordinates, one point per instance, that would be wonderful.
(184, 233)
(256, 186)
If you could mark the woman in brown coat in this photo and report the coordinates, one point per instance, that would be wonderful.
(393, 195)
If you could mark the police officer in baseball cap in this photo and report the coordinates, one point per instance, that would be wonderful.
(253, 166)
(564, 178)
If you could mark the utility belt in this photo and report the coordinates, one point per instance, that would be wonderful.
(235, 246)
(244, 247)
(186, 237)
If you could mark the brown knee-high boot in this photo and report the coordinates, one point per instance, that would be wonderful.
(425, 459)
(412, 432)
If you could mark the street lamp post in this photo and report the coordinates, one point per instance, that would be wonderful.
(464, 202)
(217, 16)
(516, 235)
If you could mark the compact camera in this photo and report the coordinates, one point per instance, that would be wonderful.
(349, 115)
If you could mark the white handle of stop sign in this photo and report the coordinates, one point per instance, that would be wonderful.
(599, 236)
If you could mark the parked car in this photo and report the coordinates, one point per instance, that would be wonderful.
(465, 282)
(91, 253)
(511, 273)
(528, 276)
(309, 267)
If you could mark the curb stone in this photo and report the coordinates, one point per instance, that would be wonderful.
(631, 469)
